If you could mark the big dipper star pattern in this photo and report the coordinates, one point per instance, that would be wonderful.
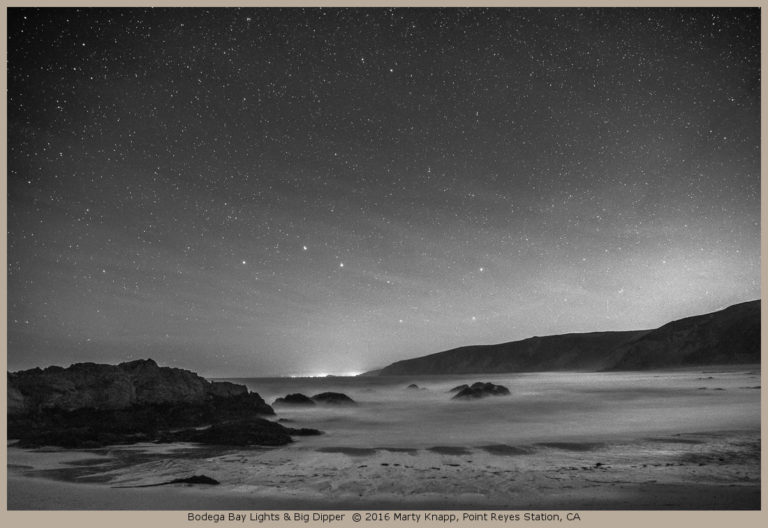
(290, 191)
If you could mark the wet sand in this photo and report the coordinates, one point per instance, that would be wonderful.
(692, 471)
(30, 493)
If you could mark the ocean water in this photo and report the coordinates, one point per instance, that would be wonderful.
(676, 439)
(566, 406)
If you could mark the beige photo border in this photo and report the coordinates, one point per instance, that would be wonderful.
(589, 518)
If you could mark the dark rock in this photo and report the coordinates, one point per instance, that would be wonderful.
(232, 407)
(294, 399)
(96, 386)
(333, 398)
(17, 404)
(304, 431)
(88, 428)
(413, 386)
(481, 390)
(153, 384)
(81, 385)
(256, 431)
(459, 388)
(226, 389)
(89, 405)
(196, 479)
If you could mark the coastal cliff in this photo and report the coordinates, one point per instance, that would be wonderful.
(729, 336)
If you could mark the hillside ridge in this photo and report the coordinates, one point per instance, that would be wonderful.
(727, 336)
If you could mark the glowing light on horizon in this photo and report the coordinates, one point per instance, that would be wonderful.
(327, 374)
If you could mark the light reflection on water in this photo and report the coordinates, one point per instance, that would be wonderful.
(577, 406)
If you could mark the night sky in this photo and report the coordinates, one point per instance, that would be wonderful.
(250, 192)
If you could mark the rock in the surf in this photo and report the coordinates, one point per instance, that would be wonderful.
(333, 398)
(294, 399)
(481, 390)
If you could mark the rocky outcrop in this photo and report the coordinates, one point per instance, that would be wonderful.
(294, 399)
(333, 398)
(17, 404)
(730, 336)
(325, 398)
(243, 433)
(480, 390)
(97, 386)
(226, 389)
(90, 405)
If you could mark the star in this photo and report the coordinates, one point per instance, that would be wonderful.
(577, 182)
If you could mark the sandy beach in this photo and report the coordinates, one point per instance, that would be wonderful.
(683, 472)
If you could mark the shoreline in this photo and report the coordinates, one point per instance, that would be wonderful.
(683, 441)
(38, 494)
(704, 471)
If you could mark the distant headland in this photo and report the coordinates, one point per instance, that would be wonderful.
(729, 336)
